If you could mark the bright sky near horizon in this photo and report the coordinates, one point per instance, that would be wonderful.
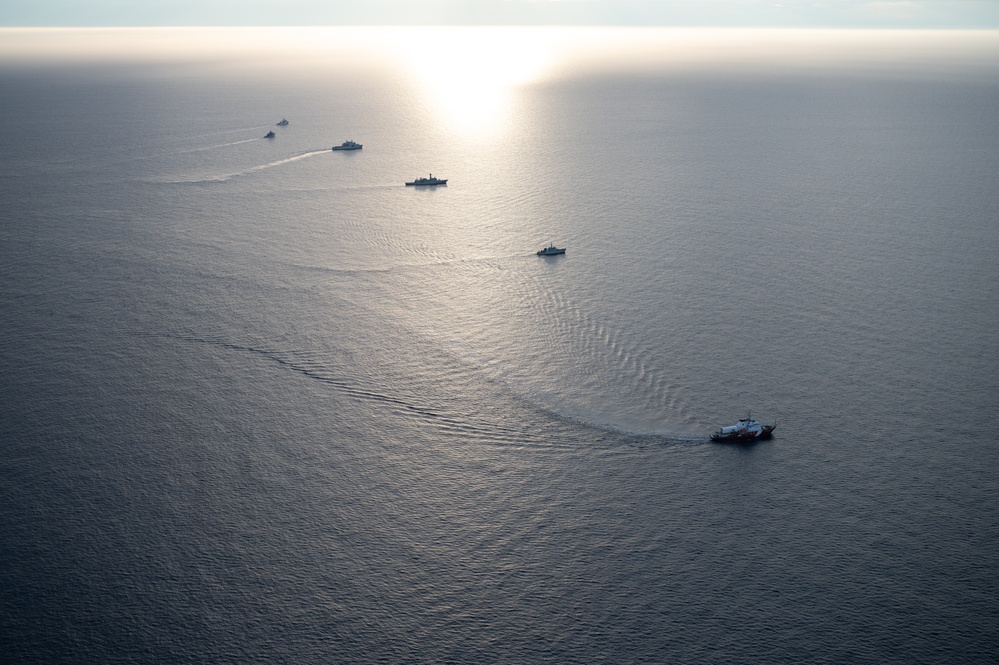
(770, 13)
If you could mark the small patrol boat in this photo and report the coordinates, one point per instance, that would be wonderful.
(270, 135)
(551, 250)
(747, 429)
(282, 123)
(348, 145)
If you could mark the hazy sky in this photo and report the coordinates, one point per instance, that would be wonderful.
(818, 13)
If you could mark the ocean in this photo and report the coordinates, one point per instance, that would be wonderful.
(261, 401)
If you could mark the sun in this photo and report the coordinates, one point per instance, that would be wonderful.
(469, 76)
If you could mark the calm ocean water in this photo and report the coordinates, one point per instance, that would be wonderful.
(262, 402)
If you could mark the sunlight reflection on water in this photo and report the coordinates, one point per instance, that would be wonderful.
(468, 76)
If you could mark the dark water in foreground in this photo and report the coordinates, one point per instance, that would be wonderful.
(260, 401)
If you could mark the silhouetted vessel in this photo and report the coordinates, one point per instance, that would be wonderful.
(747, 429)
(348, 145)
(423, 182)
(269, 135)
(282, 123)
(551, 250)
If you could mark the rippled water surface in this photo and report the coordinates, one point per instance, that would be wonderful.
(261, 401)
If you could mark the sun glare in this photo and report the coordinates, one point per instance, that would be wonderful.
(469, 76)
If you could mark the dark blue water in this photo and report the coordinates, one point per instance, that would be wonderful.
(260, 401)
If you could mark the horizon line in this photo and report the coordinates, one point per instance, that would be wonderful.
(705, 26)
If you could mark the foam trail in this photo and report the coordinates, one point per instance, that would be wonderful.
(216, 147)
(280, 162)
(160, 155)
(252, 169)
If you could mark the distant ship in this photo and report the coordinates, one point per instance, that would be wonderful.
(421, 182)
(551, 250)
(282, 123)
(747, 429)
(270, 135)
(348, 145)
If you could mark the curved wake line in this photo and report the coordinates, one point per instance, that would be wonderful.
(414, 264)
(279, 162)
(483, 432)
(253, 169)
(238, 130)
(611, 429)
(317, 372)
(186, 151)
(212, 147)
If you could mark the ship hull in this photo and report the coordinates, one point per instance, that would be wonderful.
(745, 436)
